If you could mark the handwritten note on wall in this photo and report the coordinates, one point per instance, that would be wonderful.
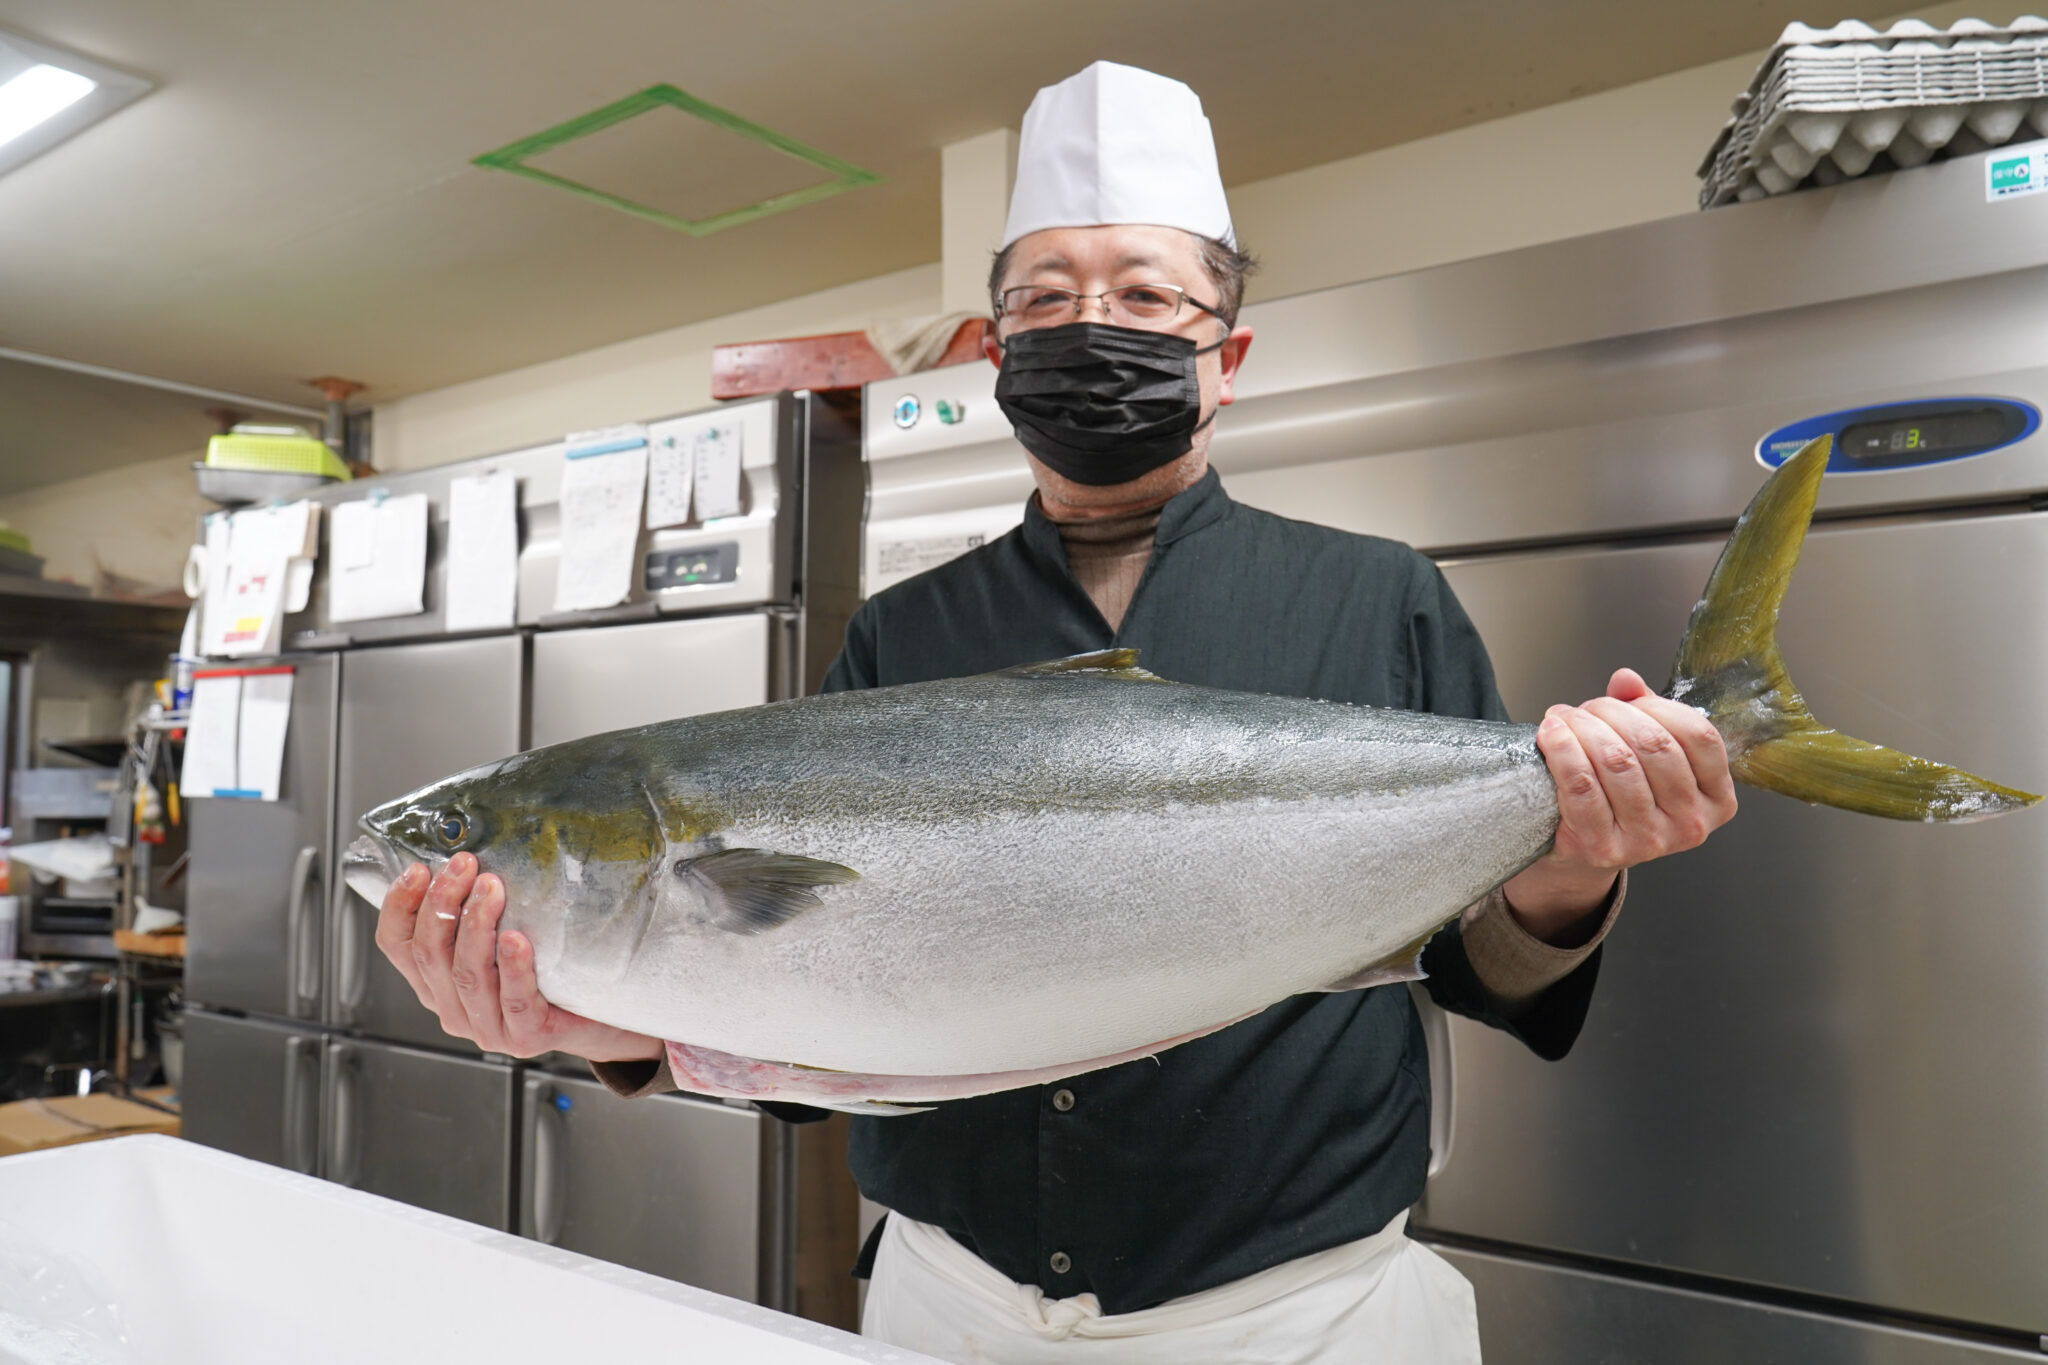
(603, 477)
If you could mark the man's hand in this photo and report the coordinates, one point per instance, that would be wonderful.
(1638, 776)
(444, 938)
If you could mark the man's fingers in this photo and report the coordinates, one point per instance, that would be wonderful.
(525, 1010)
(1581, 800)
(473, 965)
(1631, 803)
(394, 927)
(433, 929)
(1664, 760)
(1704, 749)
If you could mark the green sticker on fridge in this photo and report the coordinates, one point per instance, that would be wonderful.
(2018, 173)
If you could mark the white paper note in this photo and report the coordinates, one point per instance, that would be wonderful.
(717, 457)
(483, 552)
(671, 469)
(259, 747)
(210, 735)
(600, 526)
(379, 551)
(248, 587)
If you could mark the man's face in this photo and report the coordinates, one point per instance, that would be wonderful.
(1090, 260)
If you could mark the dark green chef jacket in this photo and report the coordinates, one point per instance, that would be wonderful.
(1298, 1129)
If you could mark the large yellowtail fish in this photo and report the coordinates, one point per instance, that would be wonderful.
(876, 899)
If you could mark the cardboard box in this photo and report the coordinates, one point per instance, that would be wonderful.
(32, 1125)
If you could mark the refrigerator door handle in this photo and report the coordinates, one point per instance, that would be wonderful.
(350, 977)
(297, 1132)
(540, 1214)
(1443, 1093)
(299, 945)
(341, 1119)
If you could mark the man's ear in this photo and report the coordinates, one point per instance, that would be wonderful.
(1231, 354)
(990, 347)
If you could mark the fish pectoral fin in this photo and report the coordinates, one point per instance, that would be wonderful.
(1121, 664)
(1403, 964)
(751, 890)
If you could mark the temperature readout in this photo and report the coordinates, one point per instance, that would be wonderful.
(1910, 438)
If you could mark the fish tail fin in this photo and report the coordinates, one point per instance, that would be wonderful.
(1729, 667)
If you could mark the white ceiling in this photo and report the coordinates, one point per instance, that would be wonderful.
(296, 198)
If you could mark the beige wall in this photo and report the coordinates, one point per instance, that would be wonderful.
(629, 380)
(135, 521)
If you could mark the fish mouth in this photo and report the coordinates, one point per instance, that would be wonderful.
(370, 866)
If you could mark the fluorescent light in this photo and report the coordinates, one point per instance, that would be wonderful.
(51, 94)
(38, 94)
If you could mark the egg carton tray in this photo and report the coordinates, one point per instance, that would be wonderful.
(1829, 105)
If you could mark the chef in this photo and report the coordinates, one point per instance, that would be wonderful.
(1242, 1196)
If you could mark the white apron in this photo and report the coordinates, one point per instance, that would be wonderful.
(1383, 1298)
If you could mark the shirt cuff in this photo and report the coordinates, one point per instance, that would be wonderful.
(1513, 964)
(634, 1080)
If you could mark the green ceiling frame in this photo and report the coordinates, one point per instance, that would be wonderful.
(513, 157)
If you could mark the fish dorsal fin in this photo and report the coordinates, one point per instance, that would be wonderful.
(751, 890)
(1403, 964)
(1121, 664)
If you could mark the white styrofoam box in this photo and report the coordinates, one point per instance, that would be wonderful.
(207, 1257)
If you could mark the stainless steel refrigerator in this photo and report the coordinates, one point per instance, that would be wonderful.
(1807, 1120)
(307, 1047)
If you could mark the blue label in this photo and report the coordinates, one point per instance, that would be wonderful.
(1891, 436)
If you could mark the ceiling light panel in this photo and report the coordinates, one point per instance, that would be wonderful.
(48, 94)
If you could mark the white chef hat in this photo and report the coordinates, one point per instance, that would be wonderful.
(1115, 144)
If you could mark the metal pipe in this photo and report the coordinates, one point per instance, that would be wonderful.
(151, 382)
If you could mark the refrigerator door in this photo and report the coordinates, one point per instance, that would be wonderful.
(1815, 1057)
(259, 871)
(421, 1127)
(252, 1088)
(409, 714)
(586, 682)
(668, 1185)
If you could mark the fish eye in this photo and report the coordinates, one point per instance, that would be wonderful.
(451, 828)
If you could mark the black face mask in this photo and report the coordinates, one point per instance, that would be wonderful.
(1101, 404)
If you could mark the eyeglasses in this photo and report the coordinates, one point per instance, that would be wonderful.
(1132, 305)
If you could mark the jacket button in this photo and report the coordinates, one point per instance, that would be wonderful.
(1063, 1100)
(1061, 1263)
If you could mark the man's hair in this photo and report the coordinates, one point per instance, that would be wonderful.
(1225, 265)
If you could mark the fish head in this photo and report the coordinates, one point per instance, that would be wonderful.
(430, 826)
(573, 832)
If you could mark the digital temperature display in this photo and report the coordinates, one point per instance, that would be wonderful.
(1903, 441)
(1897, 436)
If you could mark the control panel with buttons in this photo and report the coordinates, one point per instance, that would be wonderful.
(686, 568)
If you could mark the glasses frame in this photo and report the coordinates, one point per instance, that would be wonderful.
(1181, 297)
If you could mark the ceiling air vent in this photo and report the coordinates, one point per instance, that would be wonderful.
(707, 170)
